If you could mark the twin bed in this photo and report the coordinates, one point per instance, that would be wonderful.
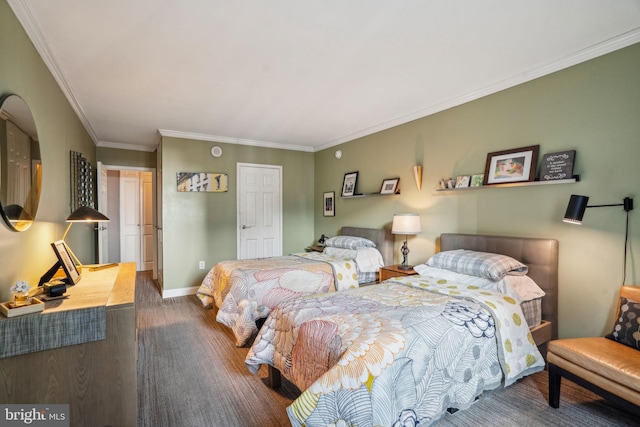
(245, 291)
(407, 350)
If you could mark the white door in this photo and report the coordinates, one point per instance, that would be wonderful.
(259, 210)
(147, 254)
(103, 236)
(130, 217)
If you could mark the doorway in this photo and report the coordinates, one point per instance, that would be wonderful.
(126, 195)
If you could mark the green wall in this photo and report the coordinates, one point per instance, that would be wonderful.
(130, 158)
(28, 254)
(202, 226)
(593, 108)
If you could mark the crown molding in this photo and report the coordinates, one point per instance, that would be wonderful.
(23, 13)
(592, 52)
(231, 140)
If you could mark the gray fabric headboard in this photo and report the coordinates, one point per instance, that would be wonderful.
(381, 237)
(540, 255)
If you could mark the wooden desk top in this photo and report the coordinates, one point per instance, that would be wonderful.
(106, 287)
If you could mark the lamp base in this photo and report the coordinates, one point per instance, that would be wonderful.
(404, 267)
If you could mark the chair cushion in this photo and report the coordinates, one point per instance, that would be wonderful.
(603, 357)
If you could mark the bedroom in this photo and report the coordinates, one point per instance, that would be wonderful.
(591, 107)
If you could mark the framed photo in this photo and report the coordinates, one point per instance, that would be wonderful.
(202, 182)
(516, 165)
(389, 186)
(463, 181)
(476, 180)
(329, 203)
(349, 184)
(64, 259)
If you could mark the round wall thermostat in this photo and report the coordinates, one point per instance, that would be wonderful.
(338, 154)
(216, 151)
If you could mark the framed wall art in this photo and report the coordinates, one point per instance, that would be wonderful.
(329, 203)
(476, 180)
(462, 181)
(65, 261)
(515, 165)
(390, 186)
(349, 184)
(202, 182)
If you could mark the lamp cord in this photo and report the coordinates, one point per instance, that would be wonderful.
(626, 240)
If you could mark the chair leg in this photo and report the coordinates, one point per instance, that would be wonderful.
(554, 386)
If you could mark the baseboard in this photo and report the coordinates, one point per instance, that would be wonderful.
(180, 292)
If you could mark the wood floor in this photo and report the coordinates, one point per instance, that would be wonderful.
(190, 375)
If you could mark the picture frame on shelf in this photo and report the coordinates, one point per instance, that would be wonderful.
(349, 184)
(329, 203)
(558, 165)
(463, 181)
(390, 186)
(514, 165)
(477, 179)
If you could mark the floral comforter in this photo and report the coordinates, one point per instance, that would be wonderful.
(395, 354)
(247, 290)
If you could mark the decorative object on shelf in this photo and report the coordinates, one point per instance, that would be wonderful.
(451, 183)
(477, 179)
(82, 181)
(515, 165)
(329, 204)
(216, 151)
(463, 181)
(390, 186)
(557, 165)
(338, 154)
(577, 207)
(349, 184)
(417, 175)
(405, 223)
(202, 182)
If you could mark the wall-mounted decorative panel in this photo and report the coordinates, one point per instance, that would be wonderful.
(82, 182)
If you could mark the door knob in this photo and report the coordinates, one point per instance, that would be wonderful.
(247, 226)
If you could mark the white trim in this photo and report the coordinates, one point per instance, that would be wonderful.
(231, 140)
(23, 13)
(180, 292)
(600, 49)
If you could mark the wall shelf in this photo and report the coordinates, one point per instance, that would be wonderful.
(513, 184)
(356, 196)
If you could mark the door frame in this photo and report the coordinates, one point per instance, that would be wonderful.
(239, 166)
(153, 206)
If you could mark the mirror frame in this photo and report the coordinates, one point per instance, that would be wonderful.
(19, 192)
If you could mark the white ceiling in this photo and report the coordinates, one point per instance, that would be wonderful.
(302, 74)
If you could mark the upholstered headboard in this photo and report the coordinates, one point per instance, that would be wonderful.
(381, 237)
(540, 255)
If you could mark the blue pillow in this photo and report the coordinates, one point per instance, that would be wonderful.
(479, 264)
(349, 242)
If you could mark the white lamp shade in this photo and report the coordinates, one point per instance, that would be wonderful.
(406, 223)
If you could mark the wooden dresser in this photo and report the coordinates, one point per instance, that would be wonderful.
(97, 379)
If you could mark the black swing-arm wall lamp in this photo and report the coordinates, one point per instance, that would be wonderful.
(578, 205)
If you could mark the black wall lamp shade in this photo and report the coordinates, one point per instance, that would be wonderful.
(578, 205)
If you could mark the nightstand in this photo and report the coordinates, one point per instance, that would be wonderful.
(314, 248)
(390, 271)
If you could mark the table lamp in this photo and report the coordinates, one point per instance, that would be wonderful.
(82, 214)
(405, 223)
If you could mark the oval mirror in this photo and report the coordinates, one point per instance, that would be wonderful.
(20, 163)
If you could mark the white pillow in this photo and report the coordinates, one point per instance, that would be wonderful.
(369, 260)
(521, 288)
(349, 242)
